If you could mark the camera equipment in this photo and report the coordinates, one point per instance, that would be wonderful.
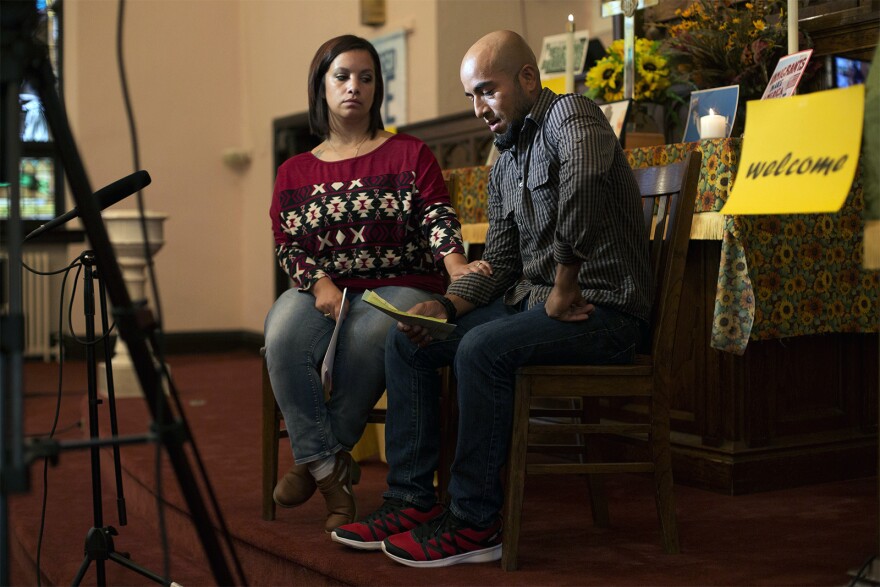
(23, 58)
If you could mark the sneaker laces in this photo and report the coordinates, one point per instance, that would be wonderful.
(446, 522)
(388, 506)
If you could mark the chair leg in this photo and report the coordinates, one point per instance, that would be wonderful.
(592, 454)
(516, 473)
(270, 438)
(661, 452)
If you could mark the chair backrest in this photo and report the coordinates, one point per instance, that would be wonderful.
(668, 196)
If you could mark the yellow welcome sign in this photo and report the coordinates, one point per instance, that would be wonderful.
(799, 154)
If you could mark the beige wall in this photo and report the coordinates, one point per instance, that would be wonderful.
(208, 75)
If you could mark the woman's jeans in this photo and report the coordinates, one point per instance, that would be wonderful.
(297, 337)
(486, 348)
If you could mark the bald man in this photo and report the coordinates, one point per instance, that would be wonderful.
(568, 283)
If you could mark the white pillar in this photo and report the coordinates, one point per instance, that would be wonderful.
(126, 234)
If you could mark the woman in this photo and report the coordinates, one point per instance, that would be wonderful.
(363, 210)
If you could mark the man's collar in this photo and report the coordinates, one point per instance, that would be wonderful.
(535, 116)
(541, 106)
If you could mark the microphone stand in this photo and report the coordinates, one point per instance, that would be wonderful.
(26, 59)
(99, 540)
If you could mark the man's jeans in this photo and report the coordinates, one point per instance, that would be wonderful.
(487, 347)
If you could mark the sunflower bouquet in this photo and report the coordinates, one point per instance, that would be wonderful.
(716, 43)
(652, 74)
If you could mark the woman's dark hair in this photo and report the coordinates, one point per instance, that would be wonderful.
(318, 119)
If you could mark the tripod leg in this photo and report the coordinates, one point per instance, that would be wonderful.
(129, 564)
(82, 571)
(99, 545)
(111, 404)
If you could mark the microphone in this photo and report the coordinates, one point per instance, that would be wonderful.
(106, 196)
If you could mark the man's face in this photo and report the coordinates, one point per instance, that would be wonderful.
(498, 98)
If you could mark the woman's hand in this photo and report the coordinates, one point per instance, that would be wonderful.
(328, 297)
(457, 266)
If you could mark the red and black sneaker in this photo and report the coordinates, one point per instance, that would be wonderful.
(394, 517)
(445, 542)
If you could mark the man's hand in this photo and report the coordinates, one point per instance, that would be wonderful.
(417, 334)
(568, 308)
(565, 301)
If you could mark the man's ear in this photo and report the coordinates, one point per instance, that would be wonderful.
(529, 78)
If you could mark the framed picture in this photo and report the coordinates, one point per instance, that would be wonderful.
(616, 113)
(721, 102)
(552, 61)
(393, 55)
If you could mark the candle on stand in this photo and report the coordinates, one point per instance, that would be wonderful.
(713, 126)
(793, 45)
(569, 55)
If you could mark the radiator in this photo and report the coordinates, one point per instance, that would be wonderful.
(36, 302)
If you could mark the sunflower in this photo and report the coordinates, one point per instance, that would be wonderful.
(605, 74)
(654, 68)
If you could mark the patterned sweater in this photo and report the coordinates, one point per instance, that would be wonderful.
(383, 218)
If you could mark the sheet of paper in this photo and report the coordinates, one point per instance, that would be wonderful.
(787, 75)
(330, 355)
(439, 329)
(799, 154)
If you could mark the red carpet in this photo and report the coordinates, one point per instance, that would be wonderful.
(805, 536)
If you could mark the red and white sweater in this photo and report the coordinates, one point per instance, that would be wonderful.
(383, 218)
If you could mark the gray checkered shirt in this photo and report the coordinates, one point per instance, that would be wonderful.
(582, 205)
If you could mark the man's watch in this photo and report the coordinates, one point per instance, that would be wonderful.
(451, 312)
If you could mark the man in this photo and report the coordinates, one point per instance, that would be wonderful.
(569, 282)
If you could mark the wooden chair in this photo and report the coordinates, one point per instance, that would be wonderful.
(668, 194)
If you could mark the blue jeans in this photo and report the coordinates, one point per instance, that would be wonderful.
(486, 348)
(297, 337)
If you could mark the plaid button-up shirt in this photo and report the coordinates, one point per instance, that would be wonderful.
(564, 194)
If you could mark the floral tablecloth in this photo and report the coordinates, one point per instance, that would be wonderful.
(779, 276)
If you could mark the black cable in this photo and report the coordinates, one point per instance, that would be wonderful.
(54, 427)
(55, 272)
(860, 575)
(68, 428)
(135, 150)
(159, 339)
(73, 335)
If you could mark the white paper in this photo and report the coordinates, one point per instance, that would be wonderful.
(330, 355)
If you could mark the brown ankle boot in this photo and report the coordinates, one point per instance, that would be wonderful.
(337, 492)
(295, 487)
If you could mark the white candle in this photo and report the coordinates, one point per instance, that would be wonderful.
(569, 55)
(713, 126)
(792, 26)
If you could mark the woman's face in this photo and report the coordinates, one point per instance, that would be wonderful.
(349, 86)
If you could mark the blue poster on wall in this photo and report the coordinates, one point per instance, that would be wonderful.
(392, 55)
